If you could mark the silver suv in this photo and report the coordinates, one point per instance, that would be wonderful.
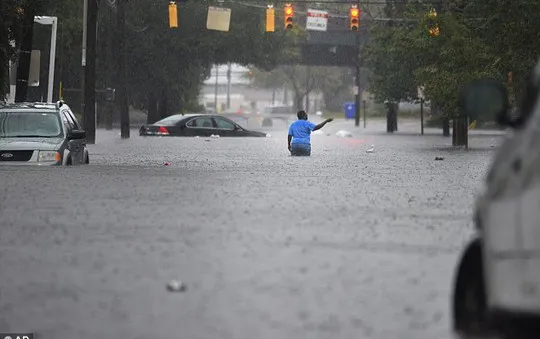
(497, 286)
(41, 134)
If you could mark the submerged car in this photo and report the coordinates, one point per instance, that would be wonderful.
(497, 283)
(41, 134)
(203, 125)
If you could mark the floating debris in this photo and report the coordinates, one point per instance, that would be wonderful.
(166, 163)
(371, 149)
(214, 136)
(344, 134)
(176, 286)
(439, 158)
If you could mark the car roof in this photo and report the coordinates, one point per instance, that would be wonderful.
(29, 106)
(191, 115)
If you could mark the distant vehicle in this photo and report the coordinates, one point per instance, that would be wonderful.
(497, 285)
(279, 110)
(41, 134)
(203, 125)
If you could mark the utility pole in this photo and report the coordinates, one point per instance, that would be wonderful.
(216, 88)
(122, 100)
(229, 85)
(83, 57)
(89, 67)
(25, 53)
(357, 77)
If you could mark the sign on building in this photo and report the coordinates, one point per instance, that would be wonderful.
(316, 20)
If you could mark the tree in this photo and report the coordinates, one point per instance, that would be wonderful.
(507, 27)
(404, 57)
(10, 21)
(334, 82)
(166, 67)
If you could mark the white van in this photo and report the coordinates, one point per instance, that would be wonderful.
(497, 283)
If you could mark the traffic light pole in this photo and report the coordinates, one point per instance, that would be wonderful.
(122, 99)
(89, 65)
(357, 78)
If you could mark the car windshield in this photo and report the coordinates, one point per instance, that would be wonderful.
(29, 124)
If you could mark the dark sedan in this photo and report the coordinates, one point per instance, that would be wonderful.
(202, 125)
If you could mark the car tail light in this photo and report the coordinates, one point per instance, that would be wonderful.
(162, 131)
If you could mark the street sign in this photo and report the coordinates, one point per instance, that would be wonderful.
(219, 19)
(316, 20)
(420, 94)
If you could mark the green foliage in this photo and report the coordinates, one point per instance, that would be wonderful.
(175, 62)
(11, 18)
(482, 38)
(168, 63)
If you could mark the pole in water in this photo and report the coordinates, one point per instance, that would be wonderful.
(422, 116)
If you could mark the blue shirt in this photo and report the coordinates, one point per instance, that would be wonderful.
(301, 131)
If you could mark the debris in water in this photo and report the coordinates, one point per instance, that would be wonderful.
(166, 163)
(439, 158)
(176, 286)
(214, 136)
(371, 149)
(344, 134)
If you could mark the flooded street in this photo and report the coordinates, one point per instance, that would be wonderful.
(342, 244)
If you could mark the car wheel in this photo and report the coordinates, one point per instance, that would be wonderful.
(86, 159)
(470, 312)
(69, 162)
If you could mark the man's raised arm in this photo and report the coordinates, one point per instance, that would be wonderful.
(321, 125)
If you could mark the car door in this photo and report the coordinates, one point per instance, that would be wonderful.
(501, 228)
(225, 127)
(201, 126)
(529, 211)
(76, 146)
(78, 126)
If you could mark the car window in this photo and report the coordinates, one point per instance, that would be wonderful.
(170, 120)
(202, 122)
(29, 124)
(224, 124)
(67, 122)
(73, 118)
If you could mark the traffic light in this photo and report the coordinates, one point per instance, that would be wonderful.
(173, 15)
(354, 15)
(288, 11)
(270, 19)
(433, 26)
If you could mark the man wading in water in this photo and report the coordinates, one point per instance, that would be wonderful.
(299, 134)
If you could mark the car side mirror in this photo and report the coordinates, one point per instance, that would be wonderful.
(77, 134)
(486, 99)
